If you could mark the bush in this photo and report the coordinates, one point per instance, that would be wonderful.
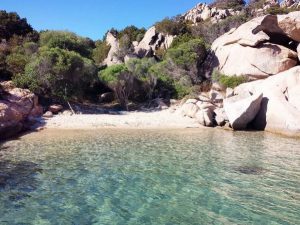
(120, 80)
(172, 26)
(68, 41)
(228, 81)
(181, 39)
(211, 31)
(125, 47)
(188, 54)
(277, 10)
(132, 32)
(57, 73)
(228, 4)
(140, 68)
(20, 56)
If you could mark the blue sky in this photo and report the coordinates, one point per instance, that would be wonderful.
(92, 18)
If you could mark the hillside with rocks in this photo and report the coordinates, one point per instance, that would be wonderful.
(265, 51)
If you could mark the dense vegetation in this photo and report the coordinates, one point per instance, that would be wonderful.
(61, 65)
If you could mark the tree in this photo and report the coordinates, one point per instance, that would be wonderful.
(68, 41)
(120, 80)
(11, 24)
(132, 32)
(187, 59)
(57, 73)
(20, 56)
(140, 68)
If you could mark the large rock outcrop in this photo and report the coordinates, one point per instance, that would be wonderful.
(152, 41)
(202, 12)
(259, 48)
(280, 106)
(112, 58)
(16, 106)
(241, 113)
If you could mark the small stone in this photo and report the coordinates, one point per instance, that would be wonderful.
(55, 108)
(48, 114)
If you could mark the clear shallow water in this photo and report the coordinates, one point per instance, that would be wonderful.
(150, 177)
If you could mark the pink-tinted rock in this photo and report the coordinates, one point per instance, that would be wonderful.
(16, 106)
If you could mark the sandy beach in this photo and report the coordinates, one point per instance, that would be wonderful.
(164, 119)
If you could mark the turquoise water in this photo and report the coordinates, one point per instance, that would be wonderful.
(167, 177)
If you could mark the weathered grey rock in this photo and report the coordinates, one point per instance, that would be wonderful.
(216, 96)
(242, 112)
(55, 108)
(191, 100)
(112, 59)
(202, 12)
(249, 46)
(221, 117)
(229, 92)
(151, 42)
(280, 105)
(290, 25)
(106, 97)
(256, 63)
(189, 109)
(287, 3)
(205, 117)
(204, 105)
(48, 114)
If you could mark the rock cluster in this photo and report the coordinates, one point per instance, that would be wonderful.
(17, 106)
(259, 48)
(265, 49)
(152, 41)
(202, 12)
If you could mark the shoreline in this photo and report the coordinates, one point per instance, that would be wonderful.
(164, 119)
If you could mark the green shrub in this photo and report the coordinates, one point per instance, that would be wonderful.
(228, 4)
(181, 39)
(211, 31)
(188, 54)
(120, 80)
(228, 81)
(133, 33)
(277, 10)
(68, 41)
(57, 73)
(100, 52)
(173, 26)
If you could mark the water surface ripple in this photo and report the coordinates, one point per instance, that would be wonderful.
(190, 176)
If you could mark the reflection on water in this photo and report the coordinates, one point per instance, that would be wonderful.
(188, 176)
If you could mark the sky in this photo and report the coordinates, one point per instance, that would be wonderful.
(92, 18)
